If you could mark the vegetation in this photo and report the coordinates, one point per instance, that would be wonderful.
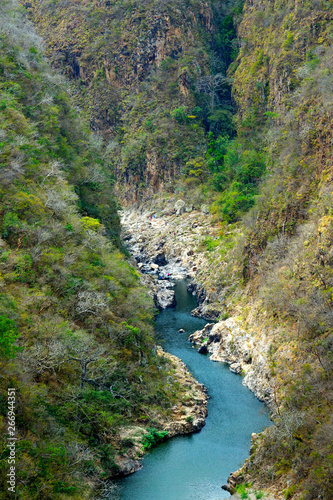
(76, 327)
(217, 104)
(279, 266)
(164, 110)
(153, 437)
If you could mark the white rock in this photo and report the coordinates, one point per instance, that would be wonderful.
(180, 207)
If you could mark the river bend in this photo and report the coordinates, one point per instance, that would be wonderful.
(193, 467)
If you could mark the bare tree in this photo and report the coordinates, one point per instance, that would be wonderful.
(91, 302)
(96, 366)
(213, 86)
(43, 357)
(85, 356)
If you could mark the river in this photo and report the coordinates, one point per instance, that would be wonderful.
(193, 467)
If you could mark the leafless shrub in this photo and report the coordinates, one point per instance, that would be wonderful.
(14, 170)
(212, 86)
(14, 24)
(78, 453)
(93, 240)
(43, 357)
(61, 199)
(69, 259)
(93, 175)
(285, 429)
(55, 169)
(95, 365)
(91, 302)
(108, 491)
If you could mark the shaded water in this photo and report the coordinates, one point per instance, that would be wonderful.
(194, 467)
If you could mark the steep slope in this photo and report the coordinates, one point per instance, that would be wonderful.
(76, 325)
(149, 77)
(275, 268)
(272, 269)
(284, 83)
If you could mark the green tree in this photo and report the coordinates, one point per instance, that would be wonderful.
(8, 336)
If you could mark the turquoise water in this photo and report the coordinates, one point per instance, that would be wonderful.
(194, 467)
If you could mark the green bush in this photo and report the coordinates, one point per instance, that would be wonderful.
(180, 114)
(288, 493)
(8, 337)
(153, 438)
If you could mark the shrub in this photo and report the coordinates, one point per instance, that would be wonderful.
(8, 337)
(288, 493)
(180, 114)
(153, 438)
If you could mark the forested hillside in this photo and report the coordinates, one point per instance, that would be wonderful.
(227, 104)
(151, 77)
(284, 86)
(76, 333)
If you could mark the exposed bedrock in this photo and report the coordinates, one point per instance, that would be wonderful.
(167, 245)
(246, 353)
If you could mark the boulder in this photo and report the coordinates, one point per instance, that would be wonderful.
(180, 207)
(165, 298)
(235, 368)
(198, 336)
(192, 288)
(209, 312)
(127, 465)
(203, 349)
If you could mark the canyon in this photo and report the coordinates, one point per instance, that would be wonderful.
(142, 143)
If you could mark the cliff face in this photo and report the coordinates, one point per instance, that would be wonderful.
(283, 86)
(283, 89)
(134, 66)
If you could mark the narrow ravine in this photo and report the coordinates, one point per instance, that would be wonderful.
(194, 467)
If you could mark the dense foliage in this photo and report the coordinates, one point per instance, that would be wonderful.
(159, 81)
(76, 333)
(289, 47)
(276, 265)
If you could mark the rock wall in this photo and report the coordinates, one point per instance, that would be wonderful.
(246, 353)
(132, 64)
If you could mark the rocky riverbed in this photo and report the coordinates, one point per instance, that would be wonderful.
(245, 353)
(168, 245)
